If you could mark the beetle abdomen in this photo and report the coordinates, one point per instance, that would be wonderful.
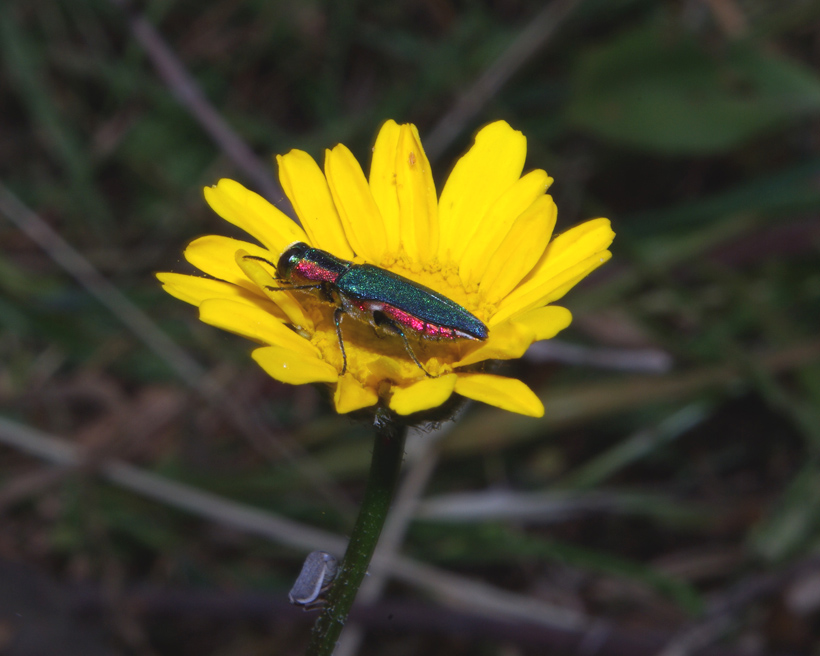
(413, 305)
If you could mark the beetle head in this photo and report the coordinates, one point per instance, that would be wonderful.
(288, 260)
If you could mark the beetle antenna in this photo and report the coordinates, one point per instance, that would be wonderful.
(258, 259)
(271, 288)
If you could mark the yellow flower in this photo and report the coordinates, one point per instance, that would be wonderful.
(485, 244)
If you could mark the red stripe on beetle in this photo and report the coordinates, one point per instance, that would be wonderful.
(313, 271)
(418, 325)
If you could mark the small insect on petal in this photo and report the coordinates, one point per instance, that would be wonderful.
(315, 578)
(373, 295)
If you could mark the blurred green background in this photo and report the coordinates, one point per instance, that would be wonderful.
(669, 500)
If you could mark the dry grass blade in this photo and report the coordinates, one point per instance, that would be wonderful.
(638, 360)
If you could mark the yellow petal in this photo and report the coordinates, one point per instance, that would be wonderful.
(544, 322)
(505, 393)
(270, 287)
(350, 395)
(195, 290)
(423, 395)
(215, 255)
(306, 186)
(571, 277)
(358, 211)
(577, 244)
(505, 342)
(418, 211)
(497, 222)
(383, 182)
(254, 323)
(512, 338)
(294, 368)
(253, 214)
(387, 367)
(519, 251)
(550, 291)
(477, 181)
(569, 257)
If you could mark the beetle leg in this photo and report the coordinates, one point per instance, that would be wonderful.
(327, 292)
(395, 326)
(337, 319)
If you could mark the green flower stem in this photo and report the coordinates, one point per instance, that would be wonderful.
(388, 452)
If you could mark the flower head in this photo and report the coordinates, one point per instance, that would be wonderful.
(485, 244)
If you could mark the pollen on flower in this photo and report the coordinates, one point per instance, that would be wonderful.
(389, 260)
(451, 276)
(488, 310)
